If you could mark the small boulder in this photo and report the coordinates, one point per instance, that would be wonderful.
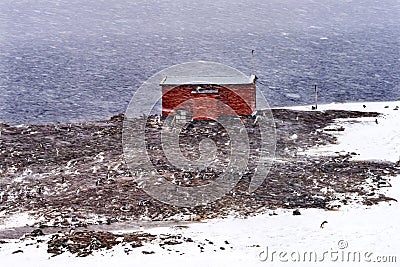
(296, 212)
(37, 232)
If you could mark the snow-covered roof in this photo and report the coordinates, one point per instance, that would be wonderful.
(198, 80)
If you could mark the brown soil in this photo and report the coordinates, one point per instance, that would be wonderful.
(56, 172)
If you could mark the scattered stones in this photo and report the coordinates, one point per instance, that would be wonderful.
(180, 227)
(137, 239)
(148, 252)
(373, 201)
(74, 175)
(339, 129)
(127, 251)
(172, 242)
(37, 232)
(273, 213)
(383, 183)
(333, 207)
(83, 243)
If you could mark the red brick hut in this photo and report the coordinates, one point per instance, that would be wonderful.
(207, 97)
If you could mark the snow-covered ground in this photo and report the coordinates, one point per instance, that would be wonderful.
(370, 138)
(368, 232)
(16, 220)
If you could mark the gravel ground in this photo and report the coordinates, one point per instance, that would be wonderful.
(74, 175)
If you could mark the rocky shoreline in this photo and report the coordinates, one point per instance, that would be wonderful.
(73, 176)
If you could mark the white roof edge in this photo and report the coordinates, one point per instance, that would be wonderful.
(198, 80)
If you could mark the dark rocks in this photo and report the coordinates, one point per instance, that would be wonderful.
(178, 227)
(18, 251)
(137, 239)
(127, 250)
(72, 170)
(373, 201)
(338, 129)
(118, 118)
(37, 232)
(147, 252)
(84, 243)
(383, 183)
(171, 240)
(296, 212)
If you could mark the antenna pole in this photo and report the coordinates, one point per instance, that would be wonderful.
(316, 95)
(252, 61)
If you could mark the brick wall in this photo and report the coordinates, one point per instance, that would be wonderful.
(240, 98)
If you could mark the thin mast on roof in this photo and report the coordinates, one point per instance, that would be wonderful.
(316, 95)
(252, 62)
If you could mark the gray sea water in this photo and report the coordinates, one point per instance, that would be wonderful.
(63, 61)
